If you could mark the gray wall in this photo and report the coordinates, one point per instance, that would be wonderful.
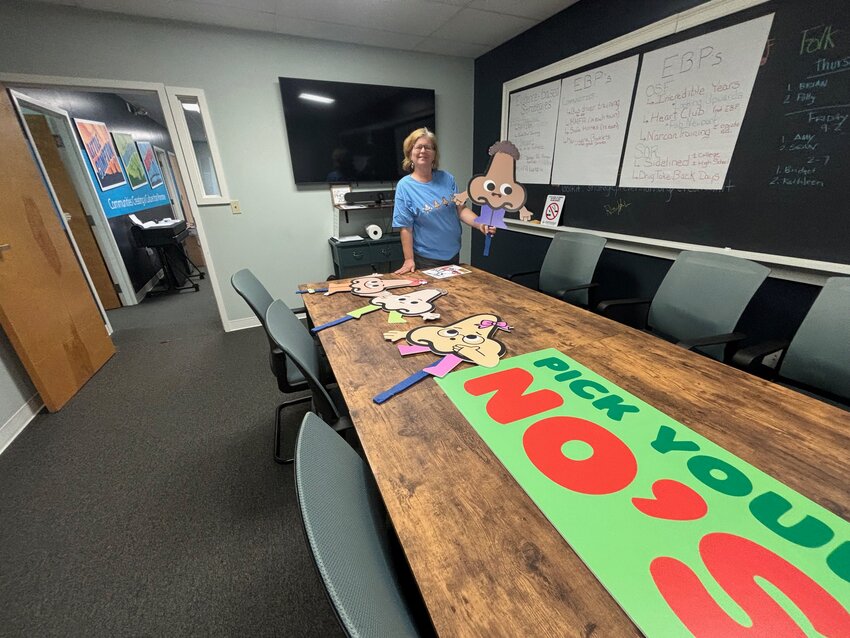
(282, 232)
(15, 385)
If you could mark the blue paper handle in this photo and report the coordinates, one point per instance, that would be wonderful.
(331, 323)
(487, 241)
(401, 386)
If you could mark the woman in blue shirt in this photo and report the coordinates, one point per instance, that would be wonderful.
(425, 209)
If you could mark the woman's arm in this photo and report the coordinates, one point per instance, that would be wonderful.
(407, 248)
(468, 217)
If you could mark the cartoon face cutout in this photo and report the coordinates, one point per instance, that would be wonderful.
(498, 187)
(471, 339)
(418, 302)
(370, 286)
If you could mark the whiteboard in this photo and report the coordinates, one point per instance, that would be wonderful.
(690, 102)
(531, 127)
(592, 117)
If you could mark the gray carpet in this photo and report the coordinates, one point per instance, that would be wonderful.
(150, 505)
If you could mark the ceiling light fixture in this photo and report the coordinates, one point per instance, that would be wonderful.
(316, 98)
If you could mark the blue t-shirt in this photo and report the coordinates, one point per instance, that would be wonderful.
(429, 211)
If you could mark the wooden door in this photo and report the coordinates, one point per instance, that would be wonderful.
(71, 205)
(46, 307)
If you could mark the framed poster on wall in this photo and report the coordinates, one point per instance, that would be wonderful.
(151, 165)
(131, 159)
(101, 153)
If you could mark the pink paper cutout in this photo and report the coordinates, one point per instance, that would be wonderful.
(444, 365)
(406, 349)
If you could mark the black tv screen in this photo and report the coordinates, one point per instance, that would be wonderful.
(341, 132)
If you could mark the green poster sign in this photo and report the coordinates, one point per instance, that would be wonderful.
(688, 538)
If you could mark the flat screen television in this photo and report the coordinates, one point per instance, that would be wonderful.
(342, 132)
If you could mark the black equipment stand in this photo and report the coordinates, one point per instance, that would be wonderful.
(167, 240)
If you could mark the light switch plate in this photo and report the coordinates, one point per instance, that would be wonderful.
(235, 207)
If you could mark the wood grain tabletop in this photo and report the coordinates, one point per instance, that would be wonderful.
(487, 561)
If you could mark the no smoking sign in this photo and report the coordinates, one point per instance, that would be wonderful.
(552, 210)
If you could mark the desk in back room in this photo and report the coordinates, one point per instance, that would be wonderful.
(486, 559)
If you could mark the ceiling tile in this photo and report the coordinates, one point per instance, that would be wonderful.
(341, 33)
(208, 13)
(483, 27)
(534, 9)
(402, 16)
(459, 48)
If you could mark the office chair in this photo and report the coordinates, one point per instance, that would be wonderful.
(343, 521)
(700, 301)
(290, 335)
(568, 267)
(289, 377)
(818, 356)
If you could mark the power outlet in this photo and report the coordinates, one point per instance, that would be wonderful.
(235, 207)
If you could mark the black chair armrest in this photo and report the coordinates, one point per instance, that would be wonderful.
(750, 358)
(522, 274)
(711, 340)
(560, 293)
(610, 303)
(605, 308)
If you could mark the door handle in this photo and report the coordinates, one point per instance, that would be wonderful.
(5, 247)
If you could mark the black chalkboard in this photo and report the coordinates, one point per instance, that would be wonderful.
(787, 191)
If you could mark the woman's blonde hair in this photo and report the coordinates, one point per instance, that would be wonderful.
(409, 143)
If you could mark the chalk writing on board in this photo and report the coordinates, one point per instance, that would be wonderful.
(592, 115)
(531, 127)
(817, 107)
(690, 102)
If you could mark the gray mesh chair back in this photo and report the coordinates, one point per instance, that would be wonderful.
(704, 294)
(294, 339)
(258, 298)
(570, 262)
(343, 522)
(819, 354)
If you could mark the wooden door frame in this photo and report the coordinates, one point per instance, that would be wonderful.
(85, 191)
(22, 81)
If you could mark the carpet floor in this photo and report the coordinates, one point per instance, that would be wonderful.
(150, 504)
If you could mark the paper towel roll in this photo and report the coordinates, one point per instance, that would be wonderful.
(374, 231)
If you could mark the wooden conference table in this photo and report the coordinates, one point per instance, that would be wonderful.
(486, 560)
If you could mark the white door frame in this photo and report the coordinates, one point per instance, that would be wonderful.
(85, 189)
(22, 100)
(179, 144)
(170, 186)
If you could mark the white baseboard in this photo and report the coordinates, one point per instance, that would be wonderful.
(250, 322)
(19, 420)
(241, 324)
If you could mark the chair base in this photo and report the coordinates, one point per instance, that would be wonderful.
(278, 435)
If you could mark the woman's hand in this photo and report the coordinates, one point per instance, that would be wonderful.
(406, 267)
(486, 230)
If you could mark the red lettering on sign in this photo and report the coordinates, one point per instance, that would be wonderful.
(509, 404)
(610, 468)
(673, 501)
(735, 562)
